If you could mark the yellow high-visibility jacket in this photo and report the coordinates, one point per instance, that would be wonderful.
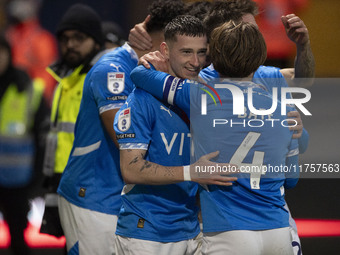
(65, 108)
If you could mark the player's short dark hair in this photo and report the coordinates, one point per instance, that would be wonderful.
(222, 11)
(184, 25)
(162, 12)
(237, 49)
(199, 9)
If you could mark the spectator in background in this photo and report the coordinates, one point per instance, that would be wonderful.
(23, 127)
(80, 39)
(113, 35)
(280, 50)
(33, 47)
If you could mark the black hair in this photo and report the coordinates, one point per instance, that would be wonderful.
(162, 12)
(184, 25)
(225, 10)
(199, 9)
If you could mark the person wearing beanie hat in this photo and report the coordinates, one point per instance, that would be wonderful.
(82, 18)
(80, 35)
(80, 41)
(91, 185)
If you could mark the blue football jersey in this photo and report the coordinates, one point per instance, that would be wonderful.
(92, 178)
(270, 77)
(162, 213)
(256, 200)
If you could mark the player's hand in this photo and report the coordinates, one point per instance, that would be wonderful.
(205, 171)
(296, 29)
(156, 59)
(297, 122)
(139, 37)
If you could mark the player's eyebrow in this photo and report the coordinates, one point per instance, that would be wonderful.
(191, 49)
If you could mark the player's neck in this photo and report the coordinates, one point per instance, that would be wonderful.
(248, 78)
(157, 38)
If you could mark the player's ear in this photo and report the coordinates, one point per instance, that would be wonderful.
(164, 49)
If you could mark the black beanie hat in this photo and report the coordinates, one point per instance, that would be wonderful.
(83, 18)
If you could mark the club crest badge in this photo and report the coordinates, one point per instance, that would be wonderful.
(124, 120)
(116, 82)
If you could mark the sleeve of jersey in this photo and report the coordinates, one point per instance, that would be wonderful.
(303, 141)
(163, 86)
(110, 87)
(292, 164)
(270, 75)
(132, 125)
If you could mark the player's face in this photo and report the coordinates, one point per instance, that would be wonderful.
(187, 56)
(76, 47)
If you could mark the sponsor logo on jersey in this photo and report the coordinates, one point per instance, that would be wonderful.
(124, 120)
(114, 66)
(166, 109)
(117, 98)
(177, 138)
(129, 135)
(116, 82)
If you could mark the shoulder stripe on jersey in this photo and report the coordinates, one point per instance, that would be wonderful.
(79, 151)
(293, 152)
(110, 107)
(170, 87)
(136, 146)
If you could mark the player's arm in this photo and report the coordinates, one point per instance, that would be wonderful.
(108, 101)
(136, 170)
(155, 59)
(303, 141)
(292, 164)
(292, 177)
(163, 86)
(139, 37)
(299, 132)
(304, 66)
(107, 118)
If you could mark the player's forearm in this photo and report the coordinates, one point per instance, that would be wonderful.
(304, 62)
(303, 141)
(140, 171)
(149, 80)
(107, 118)
(293, 175)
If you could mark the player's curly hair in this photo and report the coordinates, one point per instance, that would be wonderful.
(237, 49)
(222, 11)
(162, 12)
(199, 9)
(184, 25)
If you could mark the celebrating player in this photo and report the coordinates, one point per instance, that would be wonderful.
(248, 217)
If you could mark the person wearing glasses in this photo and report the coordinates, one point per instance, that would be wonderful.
(81, 42)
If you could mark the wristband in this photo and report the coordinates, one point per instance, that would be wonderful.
(186, 173)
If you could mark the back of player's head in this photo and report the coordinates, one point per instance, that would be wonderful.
(162, 12)
(222, 11)
(237, 49)
(199, 9)
(183, 25)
